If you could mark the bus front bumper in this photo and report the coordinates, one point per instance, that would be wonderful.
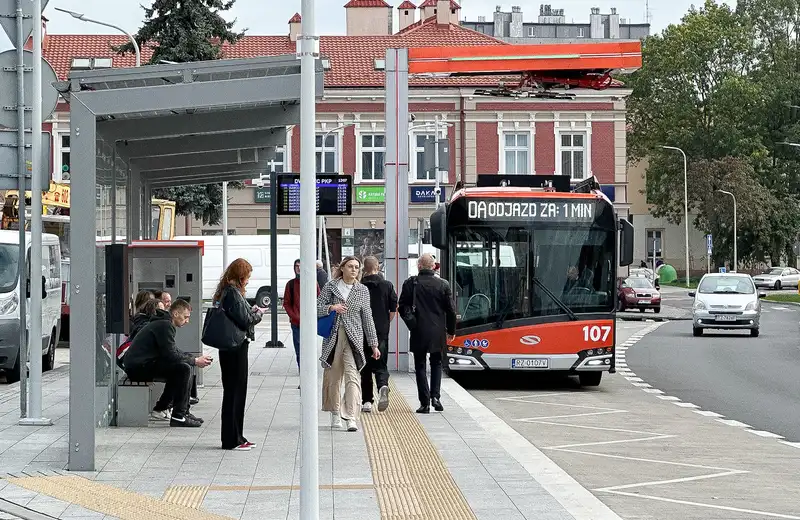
(574, 363)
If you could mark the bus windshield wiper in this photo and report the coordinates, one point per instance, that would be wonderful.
(555, 298)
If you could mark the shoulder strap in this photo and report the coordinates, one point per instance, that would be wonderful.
(414, 293)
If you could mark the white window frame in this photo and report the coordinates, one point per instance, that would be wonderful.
(444, 169)
(327, 150)
(587, 150)
(58, 150)
(529, 150)
(361, 150)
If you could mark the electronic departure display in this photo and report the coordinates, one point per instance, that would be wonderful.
(532, 210)
(334, 194)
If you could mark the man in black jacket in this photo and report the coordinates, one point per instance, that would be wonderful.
(430, 299)
(383, 301)
(153, 355)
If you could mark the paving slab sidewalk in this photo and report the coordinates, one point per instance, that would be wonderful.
(185, 466)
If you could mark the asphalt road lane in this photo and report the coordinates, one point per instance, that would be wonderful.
(752, 380)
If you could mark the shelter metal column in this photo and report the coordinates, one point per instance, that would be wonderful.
(135, 197)
(83, 341)
(396, 253)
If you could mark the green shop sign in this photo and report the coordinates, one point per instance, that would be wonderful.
(370, 194)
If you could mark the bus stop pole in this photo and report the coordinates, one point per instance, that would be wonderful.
(37, 276)
(23, 276)
(273, 342)
(309, 414)
(224, 225)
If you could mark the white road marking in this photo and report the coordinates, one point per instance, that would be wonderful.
(634, 379)
(731, 422)
(706, 413)
(762, 433)
(653, 391)
(668, 397)
(641, 385)
(534, 419)
(792, 444)
(780, 308)
(686, 405)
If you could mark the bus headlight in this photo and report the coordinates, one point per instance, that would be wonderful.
(9, 304)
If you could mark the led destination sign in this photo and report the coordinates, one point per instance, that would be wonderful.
(526, 209)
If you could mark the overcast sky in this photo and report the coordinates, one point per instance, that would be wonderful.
(271, 17)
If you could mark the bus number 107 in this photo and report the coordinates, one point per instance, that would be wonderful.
(596, 333)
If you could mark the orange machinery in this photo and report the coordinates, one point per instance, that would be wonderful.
(540, 67)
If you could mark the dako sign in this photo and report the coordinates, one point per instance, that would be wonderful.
(425, 194)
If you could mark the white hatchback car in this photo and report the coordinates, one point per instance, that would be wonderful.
(726, 301)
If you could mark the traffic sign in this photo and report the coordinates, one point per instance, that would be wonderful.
(8, 160)
(8, 88)
(709, 243)
(9, 22)
(723, 269)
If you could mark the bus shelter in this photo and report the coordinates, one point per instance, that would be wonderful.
(137, 129)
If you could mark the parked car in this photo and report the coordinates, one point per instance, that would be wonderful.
(647, 273)
(778, 277)
(637, 292)
(726, 301)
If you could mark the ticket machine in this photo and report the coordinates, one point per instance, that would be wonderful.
(174, 266)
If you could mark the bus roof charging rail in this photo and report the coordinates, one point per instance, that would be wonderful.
(538, 68)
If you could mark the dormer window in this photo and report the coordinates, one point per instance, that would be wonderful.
(91, 63)
(380, 64)
(326, 64)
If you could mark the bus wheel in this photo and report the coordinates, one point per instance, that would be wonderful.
(590, 378)
(12, 376)
(263, 299)
(49, 359)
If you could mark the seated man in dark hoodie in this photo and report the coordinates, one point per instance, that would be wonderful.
(383, 301)
(153, 355)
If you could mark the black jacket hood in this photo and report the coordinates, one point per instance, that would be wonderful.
(372, 279)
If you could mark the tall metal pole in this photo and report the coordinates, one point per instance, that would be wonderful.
(21, 168)
(35, 335)
(273, 342)
(685, 207)
(224, 225)
(436, 162)
(735, 252)
(309, 435)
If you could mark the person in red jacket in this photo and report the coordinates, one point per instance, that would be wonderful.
(291, 302)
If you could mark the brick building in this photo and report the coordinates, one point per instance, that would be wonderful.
(580, 137)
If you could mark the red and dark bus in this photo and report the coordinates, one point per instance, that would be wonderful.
(533, 266)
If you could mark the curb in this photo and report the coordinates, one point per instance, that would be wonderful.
(651, 317)
(775, 302)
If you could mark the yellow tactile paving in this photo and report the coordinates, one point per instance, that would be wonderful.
(112, 501)
(411, 479)
(187, 496)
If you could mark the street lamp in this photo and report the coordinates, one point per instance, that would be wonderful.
(82, 17)
(735, 263)
(685, 207)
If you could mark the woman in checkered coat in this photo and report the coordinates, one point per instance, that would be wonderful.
(343, 354)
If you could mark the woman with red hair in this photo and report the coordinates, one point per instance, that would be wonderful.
(230, 296)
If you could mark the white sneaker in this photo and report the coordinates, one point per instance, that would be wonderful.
(366, 407)
(351, 425)
(162, 415)
(383, 398)
(336, 420)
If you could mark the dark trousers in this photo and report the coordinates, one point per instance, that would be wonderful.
(176, 390)
(233, 365)
(296, 340)
(165, 401)
(434, 391)
(378, 367)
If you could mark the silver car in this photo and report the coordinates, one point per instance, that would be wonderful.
(726, 301)
(778, 277)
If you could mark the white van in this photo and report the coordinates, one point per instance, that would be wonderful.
(10, 295)
(256, 250)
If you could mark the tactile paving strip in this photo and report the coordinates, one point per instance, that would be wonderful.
(411, 479)
(102, 498)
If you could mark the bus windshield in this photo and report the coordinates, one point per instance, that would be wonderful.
(508, 273)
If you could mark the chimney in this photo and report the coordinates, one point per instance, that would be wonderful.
(407, 12)
(295, 27)
(29, 43)
(443, 12)
(368, 18)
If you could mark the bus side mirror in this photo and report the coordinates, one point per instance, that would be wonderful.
(44, 288)
(439, 227)
(625, 243)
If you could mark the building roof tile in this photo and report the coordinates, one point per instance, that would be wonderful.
(296, 18)
(352, 58)
(367, 3)
(406, 5)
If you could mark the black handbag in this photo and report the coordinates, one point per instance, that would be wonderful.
(409, 314)
(220, 332)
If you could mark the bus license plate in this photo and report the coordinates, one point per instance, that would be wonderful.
(529, 363)
(725, 317)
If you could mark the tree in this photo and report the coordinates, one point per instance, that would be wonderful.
(186, 31)
(717, 87)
